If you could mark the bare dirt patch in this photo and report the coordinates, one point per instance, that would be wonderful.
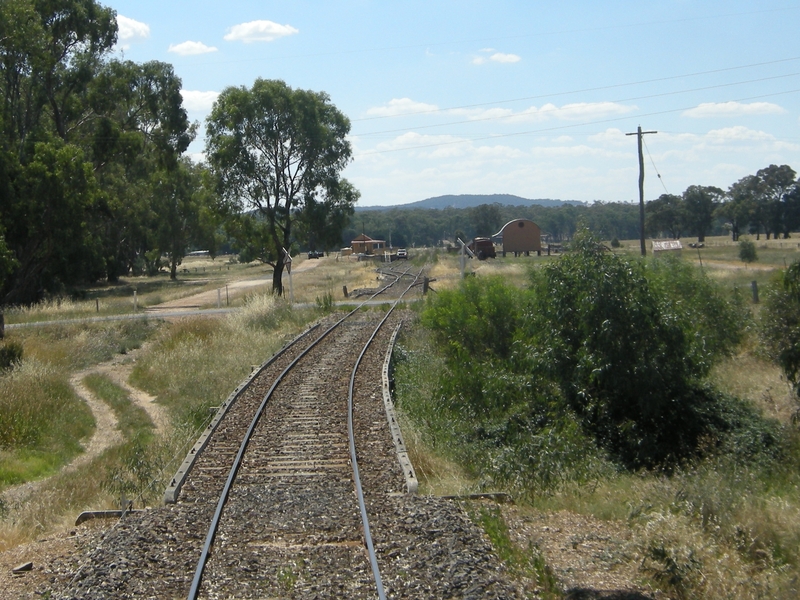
(591, 558)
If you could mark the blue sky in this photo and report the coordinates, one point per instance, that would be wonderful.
(527, 98)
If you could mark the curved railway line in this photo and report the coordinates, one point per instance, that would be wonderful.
(296, 491)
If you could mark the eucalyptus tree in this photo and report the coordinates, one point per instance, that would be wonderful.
(699, 203)
(666, 214)
(49, 53)
(276, 150)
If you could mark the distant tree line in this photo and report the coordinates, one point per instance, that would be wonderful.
(765, 203)
(427, 227)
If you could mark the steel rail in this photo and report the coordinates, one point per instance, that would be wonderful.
(373, 559)
(209, 542)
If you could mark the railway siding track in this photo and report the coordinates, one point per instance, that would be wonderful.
(292, 526)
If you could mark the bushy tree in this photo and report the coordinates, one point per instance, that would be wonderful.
(666, 214)
(780, 323)
(276, 150)
(622, 356)
(700, 202)
(747, 251)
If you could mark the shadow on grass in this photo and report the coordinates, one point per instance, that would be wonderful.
(590, 594)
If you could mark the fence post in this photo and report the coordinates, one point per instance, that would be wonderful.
(754, 285)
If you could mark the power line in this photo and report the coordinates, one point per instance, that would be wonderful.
(499, 117)
(652, 162)
(581, 91)
(562, 127)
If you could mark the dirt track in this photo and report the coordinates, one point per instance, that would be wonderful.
(228, 291)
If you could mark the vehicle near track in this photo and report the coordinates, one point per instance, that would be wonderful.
(402, 253)
(482, 247)
(315, 254)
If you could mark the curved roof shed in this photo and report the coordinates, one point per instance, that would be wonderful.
(521, 235)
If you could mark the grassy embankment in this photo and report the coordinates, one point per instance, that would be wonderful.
(717, 526)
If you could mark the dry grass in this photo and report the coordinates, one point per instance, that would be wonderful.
(437, 476)
(760, 381)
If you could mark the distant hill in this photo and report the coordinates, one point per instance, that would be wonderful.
(471, 200)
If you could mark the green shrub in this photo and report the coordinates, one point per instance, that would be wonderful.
(780, 323)
(627, 347)
(747, 251)
(10, 354)
(713, 325)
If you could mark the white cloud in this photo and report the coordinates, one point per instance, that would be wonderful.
(259, 31)
(194, 100)
(733, 109)
(505, 58)
(190, 48)
(499, 57)
(131, 30)
(739, 133)
(401, 106)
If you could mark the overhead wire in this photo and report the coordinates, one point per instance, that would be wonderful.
(581, 91)
(563, 126)
(652, 162)
(556, 109)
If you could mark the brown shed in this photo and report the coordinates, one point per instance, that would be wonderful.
(364, 244)
(521, 235)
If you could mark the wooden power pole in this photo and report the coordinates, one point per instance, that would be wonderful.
(639, 133)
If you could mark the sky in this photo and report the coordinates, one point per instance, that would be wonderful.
(518, 97)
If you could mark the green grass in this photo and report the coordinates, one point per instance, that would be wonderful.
(41, 422)
(133, 420)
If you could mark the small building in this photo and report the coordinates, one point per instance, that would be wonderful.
(364, 244)
(520, 236)
(666, 245)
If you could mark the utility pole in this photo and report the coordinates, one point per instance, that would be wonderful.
(639, 133)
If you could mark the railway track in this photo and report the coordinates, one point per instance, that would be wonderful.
(286, 510)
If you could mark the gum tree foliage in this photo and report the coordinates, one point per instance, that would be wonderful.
(666, 214)
(700, 202)
(81, 139)
(486, 219)
(278, 151)
(764, 202)
(49, 52)
(626, 355)
(185, 201)
(780, 323)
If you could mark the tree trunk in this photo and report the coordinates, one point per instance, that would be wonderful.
(173, 270)
(277, 277)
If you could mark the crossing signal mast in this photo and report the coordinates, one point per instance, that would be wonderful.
(639, 133)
